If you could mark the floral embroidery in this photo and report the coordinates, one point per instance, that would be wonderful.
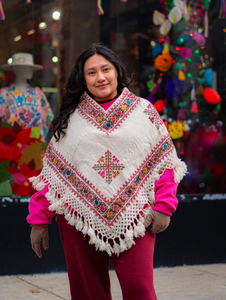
(110, 119)
(153, 116)
(28, 109)
(2, 100)
(108, 166)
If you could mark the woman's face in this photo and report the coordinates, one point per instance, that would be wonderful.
(100, 77)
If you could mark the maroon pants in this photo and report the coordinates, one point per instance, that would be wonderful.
(88, 268)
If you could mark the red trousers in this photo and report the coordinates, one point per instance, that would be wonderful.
(88, 269)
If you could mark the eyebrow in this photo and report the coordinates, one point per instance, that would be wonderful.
(92, 68)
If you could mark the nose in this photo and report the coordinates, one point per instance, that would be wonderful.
(100, 77)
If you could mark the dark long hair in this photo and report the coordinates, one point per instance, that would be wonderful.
(76, 85)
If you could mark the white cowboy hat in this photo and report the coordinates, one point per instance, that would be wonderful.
(22, 59)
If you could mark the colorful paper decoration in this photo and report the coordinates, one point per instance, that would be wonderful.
(100, 10)
(165, 27)
(28, 1)
(159, 105)
(194, 107)
(208, 76)
(222, 13)
(206, 20)
(158, 18)
(176, 129)
(2, 15)
(185, 52)
(211, 96)
(181, 75)
(175, 15)
(163, 62)
(21, 153)
(174, 88)
(169, 4)
(157, 50)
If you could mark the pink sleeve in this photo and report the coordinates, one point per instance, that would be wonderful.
(39, 213)
(165, 193)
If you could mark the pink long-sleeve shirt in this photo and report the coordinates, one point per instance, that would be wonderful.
(165, 196)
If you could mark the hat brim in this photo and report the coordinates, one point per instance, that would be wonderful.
(9, 67)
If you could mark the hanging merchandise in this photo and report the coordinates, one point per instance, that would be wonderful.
(176, 129)
(163, 62)
(206, 20)
(211, 96)
(160, 105)
(174, 88)
(194, 107)
(208, 76)
(222, 13)
(100, 10)
(28, 1)
(157, 50)
(181, 75)
(2, 15)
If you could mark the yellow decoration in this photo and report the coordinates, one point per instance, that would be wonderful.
(110, 214)
(165, 27)
(145, 170)
(33, 152)
(181, 75)
(165, 49)
(124, 107)
(99, 118)
(175, 15)
(176, 129)
(16, 93)
(35, 132)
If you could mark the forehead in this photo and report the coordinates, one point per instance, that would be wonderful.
(96, 61)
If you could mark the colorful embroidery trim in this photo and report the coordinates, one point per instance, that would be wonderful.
(108, 167)
(153, 116)
(88, 193)
(108, 120)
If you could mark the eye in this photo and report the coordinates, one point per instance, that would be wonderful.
(91, 73)
(106, 69)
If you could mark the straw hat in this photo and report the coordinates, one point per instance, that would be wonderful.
(22, 59)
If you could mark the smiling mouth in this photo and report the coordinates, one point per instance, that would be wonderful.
(101, 86)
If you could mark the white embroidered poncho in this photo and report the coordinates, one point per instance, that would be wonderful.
(102, 174)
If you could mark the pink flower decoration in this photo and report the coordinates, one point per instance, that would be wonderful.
(185, 52)
(200, 39)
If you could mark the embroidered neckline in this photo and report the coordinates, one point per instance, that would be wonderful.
(110, 119)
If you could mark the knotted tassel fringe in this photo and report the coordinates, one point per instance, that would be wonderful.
(180, 170)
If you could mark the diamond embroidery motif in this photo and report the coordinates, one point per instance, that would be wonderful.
(108, 167)
(153, 116)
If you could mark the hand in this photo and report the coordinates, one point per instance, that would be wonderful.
(38, 235)
(158, 220)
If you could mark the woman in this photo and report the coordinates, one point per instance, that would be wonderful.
(110, 174)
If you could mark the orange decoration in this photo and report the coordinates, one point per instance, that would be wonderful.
(163, 62)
